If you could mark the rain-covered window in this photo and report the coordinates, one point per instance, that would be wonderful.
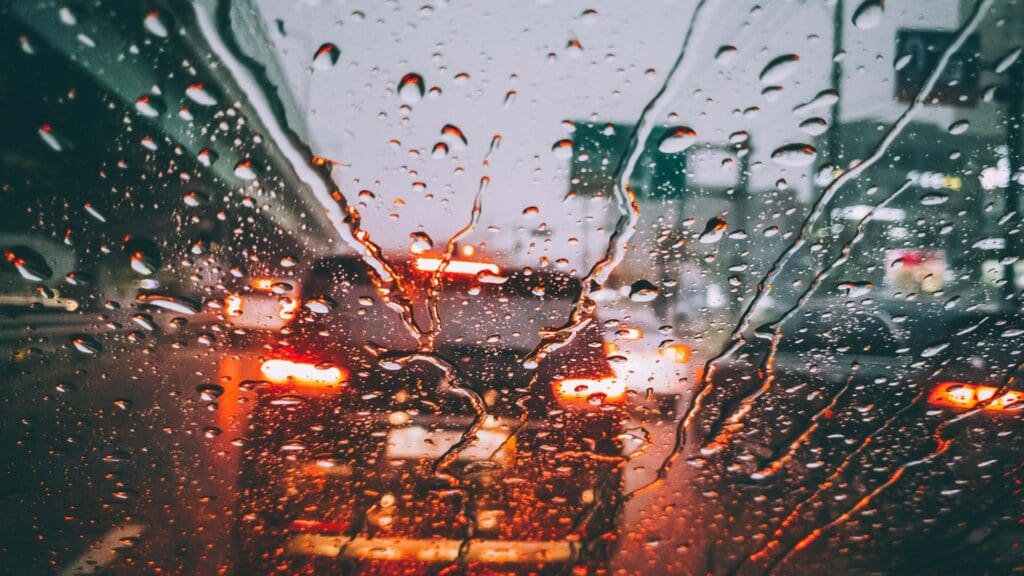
(599, 288)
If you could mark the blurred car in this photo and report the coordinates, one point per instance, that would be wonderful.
(379, 463)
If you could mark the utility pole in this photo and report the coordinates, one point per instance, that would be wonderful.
(1014, 104)
(836, 79)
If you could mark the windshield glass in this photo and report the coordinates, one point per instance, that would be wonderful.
(690, 287)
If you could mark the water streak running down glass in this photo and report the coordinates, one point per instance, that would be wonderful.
(700, 287)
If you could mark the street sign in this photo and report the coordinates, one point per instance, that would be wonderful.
(919, 52)
(598, 149)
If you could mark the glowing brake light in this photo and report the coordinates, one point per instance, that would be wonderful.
(286, 308)
(233, 305)
(590, 391)
(263, 284)
(678, 353)
(963, 396)
(301, 373)
(459, 267)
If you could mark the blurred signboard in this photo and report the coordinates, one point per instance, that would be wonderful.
(597, 150)
(918, 53)
(915, 270)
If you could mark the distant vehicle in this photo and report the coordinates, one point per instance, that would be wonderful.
(973, 377)
(352, 462)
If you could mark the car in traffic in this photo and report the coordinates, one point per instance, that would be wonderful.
(363, 457)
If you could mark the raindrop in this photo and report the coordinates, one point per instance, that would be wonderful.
(779, 69)
(244, 170)
(86, 344)
(562, 149)
(454, 136)
(326, 56)
(933, 199)
(94, 212)
(150, 106)
(440, 151)
(868, 14)
(168, 302)
(725, 54)
(193, 198)
(410, 88)
(642, 291)
(207, 157)
(55, 142)
(823, 99)
(144, 321)
(794, 155)
(958, 127)
(814, 126)
(320, 305)
(209, 392)
(677, 139)
(510, 98)
(574, 48)
(421, 242)
(144, 255)
(854, 289)
(67, 17)
(713, 231)
(902, 61)
(1006, 61)
(29, 264)
(934, 349)
(155, 25)
(200, 95)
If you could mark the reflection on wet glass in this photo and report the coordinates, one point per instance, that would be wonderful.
(714, 287)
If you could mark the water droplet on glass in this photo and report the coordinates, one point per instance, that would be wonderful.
(814, 126)
(200, 95)
(155, 25)
(868, 14)
(677, 139)
(562, 149)
(854, 289)
(150, 106)
(933, 199)
(51, 139)
(92, 211)
(206, 157)
(902, 62)
(86, 344)
(725, 54)
(934, 349)
(959, 127)
(169, 302)
(67, 17)
(244, 170)
(209, 392)
(1006, 61)
(411, 88)
(421, 242)
(144, 321)
(794, 155)
(779, 69)
(326, 56)
(574, 48)
(714, 230)
(320, 305)
(510, 98)
(642, 291)
(30, 264)
(454, 136)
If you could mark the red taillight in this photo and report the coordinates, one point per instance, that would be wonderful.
(233, 305)
(302, 373)
(678, 353)
(963, 396)
(286, 307)
(582, 392)
(456, 267)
